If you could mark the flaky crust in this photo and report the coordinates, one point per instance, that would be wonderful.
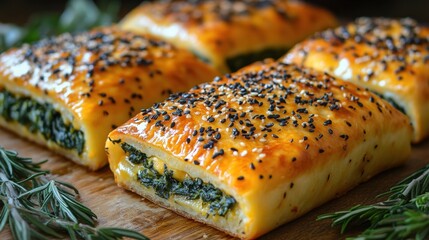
(98, 80)
(220, 29)
(390, 57)
(281, 140)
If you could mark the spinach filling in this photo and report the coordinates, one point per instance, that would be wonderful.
(239, 61)
(202, 57)
(40, 118)
(165, 185)
(392, 102)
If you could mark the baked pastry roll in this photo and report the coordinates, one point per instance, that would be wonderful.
(230, 34)
(255, 149)
(69, 92)
(390, 57)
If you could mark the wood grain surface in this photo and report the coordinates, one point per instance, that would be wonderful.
(119, 208)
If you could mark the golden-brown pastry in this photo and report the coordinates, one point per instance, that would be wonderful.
(230, 34)
(69, 92)
(390, 57)
(255, 149)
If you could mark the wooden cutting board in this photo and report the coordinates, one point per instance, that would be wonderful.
(119, 208)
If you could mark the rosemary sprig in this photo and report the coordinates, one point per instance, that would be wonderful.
(404, 215)
(36, 207)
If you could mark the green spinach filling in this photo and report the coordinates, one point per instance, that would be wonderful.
(165, 185)
(202, 57)
(40, 118)
(392, 102)
(239, 61)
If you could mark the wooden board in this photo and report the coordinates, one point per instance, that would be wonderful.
(119, 208)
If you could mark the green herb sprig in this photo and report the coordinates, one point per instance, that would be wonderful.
(404, 215)
(36, 207)
(79, 15)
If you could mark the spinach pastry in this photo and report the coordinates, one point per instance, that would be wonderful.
(387, 56)
(230, 34)
(255, 149)
(69, 92)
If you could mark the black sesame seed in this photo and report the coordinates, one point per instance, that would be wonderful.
(217, 154)
(235, 132)
(327, 122)
(209, 145)
(112, 100)
(252, 166)
(344, 136)
(273, 116)
(217, 136)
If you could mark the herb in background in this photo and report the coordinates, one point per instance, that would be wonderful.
(404, 215)
(78, 16)
(36, 207)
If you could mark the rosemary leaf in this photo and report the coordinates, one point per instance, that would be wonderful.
(37, 207)
(404, 215)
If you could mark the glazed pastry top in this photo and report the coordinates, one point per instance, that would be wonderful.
(390, 55)
(264, 124)
(99, 73)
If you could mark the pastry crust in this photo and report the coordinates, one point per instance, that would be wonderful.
(279, 139)
(390, 57)
(95, 81)
(218, 30)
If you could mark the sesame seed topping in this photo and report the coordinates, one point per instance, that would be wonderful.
(244, 116)
(82, 59)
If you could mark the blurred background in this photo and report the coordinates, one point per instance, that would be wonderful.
(349, 9)
(29, 20)
(18, 11)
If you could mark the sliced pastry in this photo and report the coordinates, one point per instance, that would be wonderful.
(69, 92)
(256, 149)
(387, 56)
(230, 34)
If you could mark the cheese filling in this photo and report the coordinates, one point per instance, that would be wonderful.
(40, 118)
(155, 174)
